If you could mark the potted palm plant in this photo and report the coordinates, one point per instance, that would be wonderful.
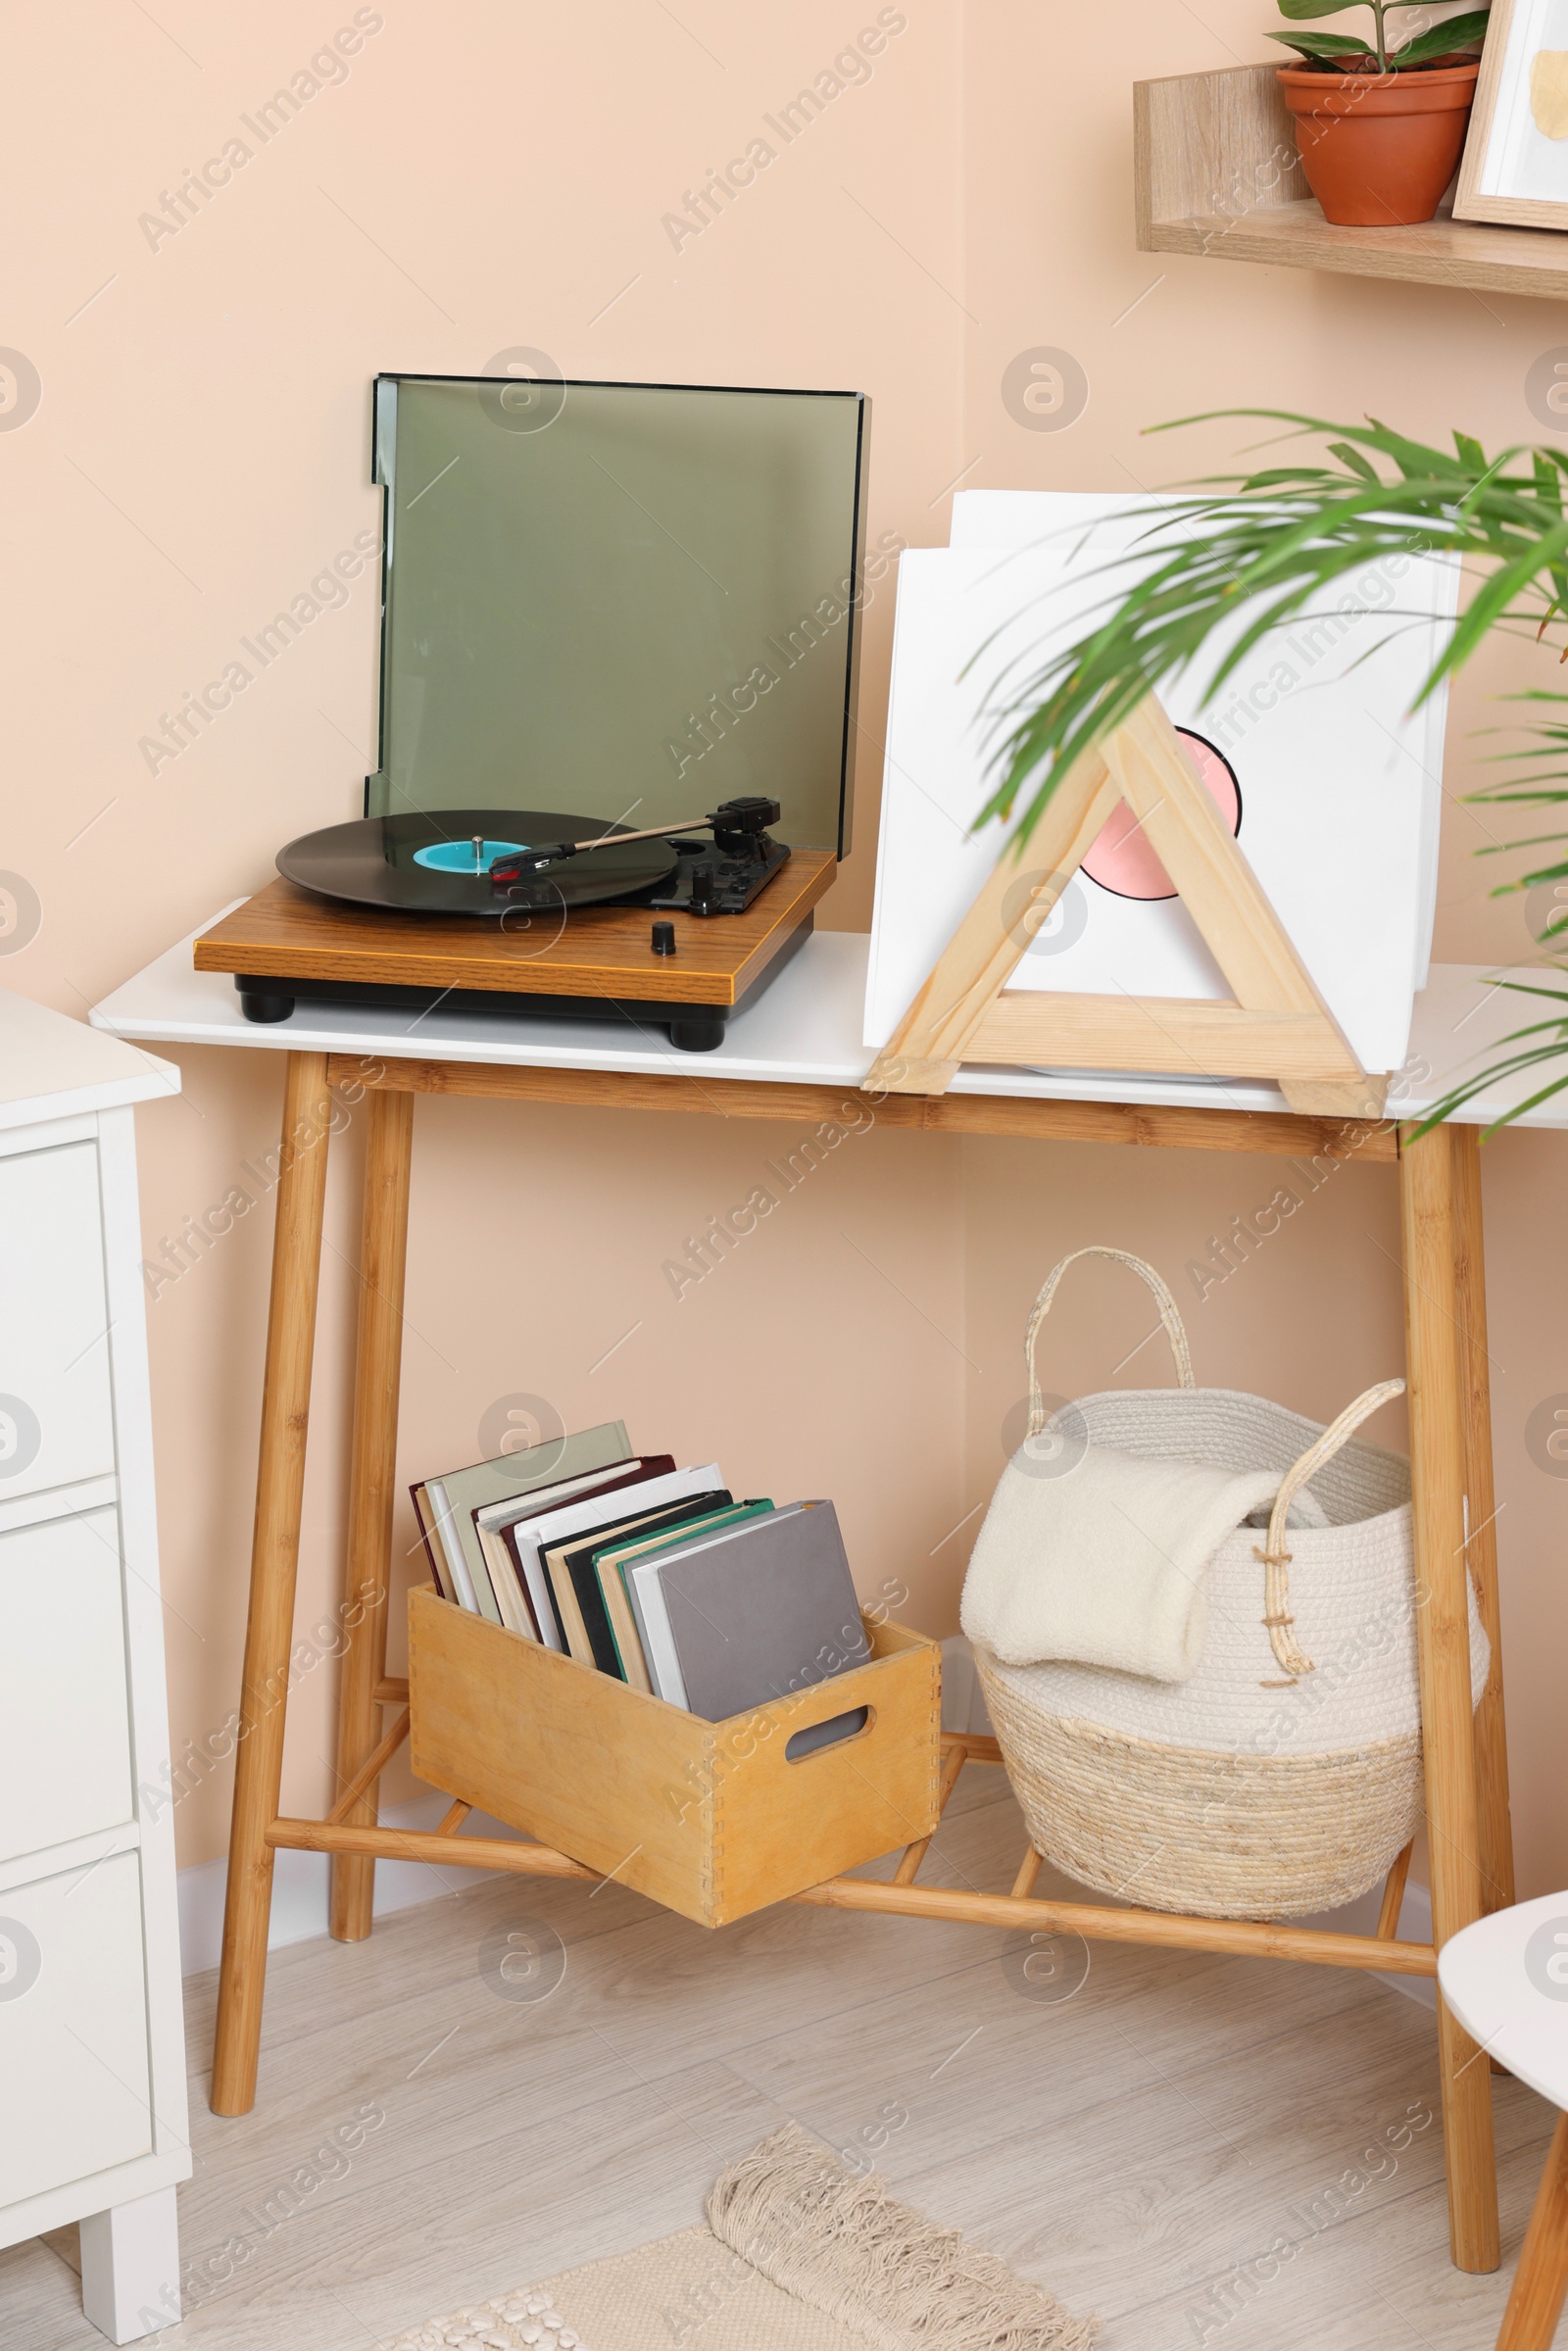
(1268, 543)
(1379, 126)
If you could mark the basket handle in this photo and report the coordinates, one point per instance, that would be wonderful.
(1276, 1559)
(1168, 1315)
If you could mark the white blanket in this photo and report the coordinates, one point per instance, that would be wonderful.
(1105, 1564)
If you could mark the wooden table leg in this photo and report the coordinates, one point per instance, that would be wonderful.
(1541, 2281)
(378, 1361)
(1437, 1365)
(1492, 1750)
(275, 1561)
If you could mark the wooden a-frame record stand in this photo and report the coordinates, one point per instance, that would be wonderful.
(1277, 1026)
(1464, 1756)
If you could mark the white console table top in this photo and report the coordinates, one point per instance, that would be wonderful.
(805, 1028)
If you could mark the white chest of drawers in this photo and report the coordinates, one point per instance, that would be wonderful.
(92, 2071)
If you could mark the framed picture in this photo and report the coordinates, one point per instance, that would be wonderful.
(1515, 165)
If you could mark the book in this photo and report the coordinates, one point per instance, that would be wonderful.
(623, 1632)
(452, 1498)
(440, 1576)
(751, 1612)
(580, 1561)
(512, 1593)
(526, 1537)
(611, 1566)
(578, 1600)
(457, 1566)
(652, 1617)
(468, 1576)
(491, 1520)
(531, 1580)
(525, 1559)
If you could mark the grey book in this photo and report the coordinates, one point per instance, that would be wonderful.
(762, 1611)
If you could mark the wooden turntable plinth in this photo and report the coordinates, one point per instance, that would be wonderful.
(284, 943)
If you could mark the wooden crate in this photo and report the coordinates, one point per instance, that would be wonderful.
(711, 1819)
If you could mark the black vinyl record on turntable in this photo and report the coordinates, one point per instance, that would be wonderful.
(492, 861)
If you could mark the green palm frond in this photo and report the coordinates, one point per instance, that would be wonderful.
(1552, 1049)
(1267, 544)
(1275, 539)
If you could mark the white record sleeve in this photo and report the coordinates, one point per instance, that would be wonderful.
(1340, 786)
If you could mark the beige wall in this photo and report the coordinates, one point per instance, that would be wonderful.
(496, 175)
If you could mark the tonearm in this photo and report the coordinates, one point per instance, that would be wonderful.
(739, 828)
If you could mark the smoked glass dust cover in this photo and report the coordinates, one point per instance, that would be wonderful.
(629, 600)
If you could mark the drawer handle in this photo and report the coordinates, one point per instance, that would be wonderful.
(830, 1733)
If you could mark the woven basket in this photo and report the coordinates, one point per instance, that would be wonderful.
(1284, 1777)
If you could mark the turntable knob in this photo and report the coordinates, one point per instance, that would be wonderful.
(663, 939)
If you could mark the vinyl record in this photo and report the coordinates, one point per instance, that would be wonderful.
(440, 865)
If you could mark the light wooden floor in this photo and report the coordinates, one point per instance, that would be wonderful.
(1140, 2146)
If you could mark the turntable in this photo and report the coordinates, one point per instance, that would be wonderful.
(640, 595)
(404, 913)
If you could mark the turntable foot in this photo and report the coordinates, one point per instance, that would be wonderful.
(697, 1032)
(258, 1005)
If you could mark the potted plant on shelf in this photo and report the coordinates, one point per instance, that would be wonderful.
(1378, 127)
(1270, 541)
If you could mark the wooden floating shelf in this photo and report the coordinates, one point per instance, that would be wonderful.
(1217, 175)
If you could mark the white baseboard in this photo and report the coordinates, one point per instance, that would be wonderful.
(300, 1879)
(300, 1883)
(962, 1706)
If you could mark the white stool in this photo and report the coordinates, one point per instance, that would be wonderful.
(1506, 1980)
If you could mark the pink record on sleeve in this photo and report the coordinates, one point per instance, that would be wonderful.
(1121, 860)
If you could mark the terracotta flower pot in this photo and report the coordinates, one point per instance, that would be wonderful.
(1379, 148)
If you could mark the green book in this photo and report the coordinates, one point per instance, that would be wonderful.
(575, 1588)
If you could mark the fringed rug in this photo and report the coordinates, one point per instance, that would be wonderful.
(798, 2254)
